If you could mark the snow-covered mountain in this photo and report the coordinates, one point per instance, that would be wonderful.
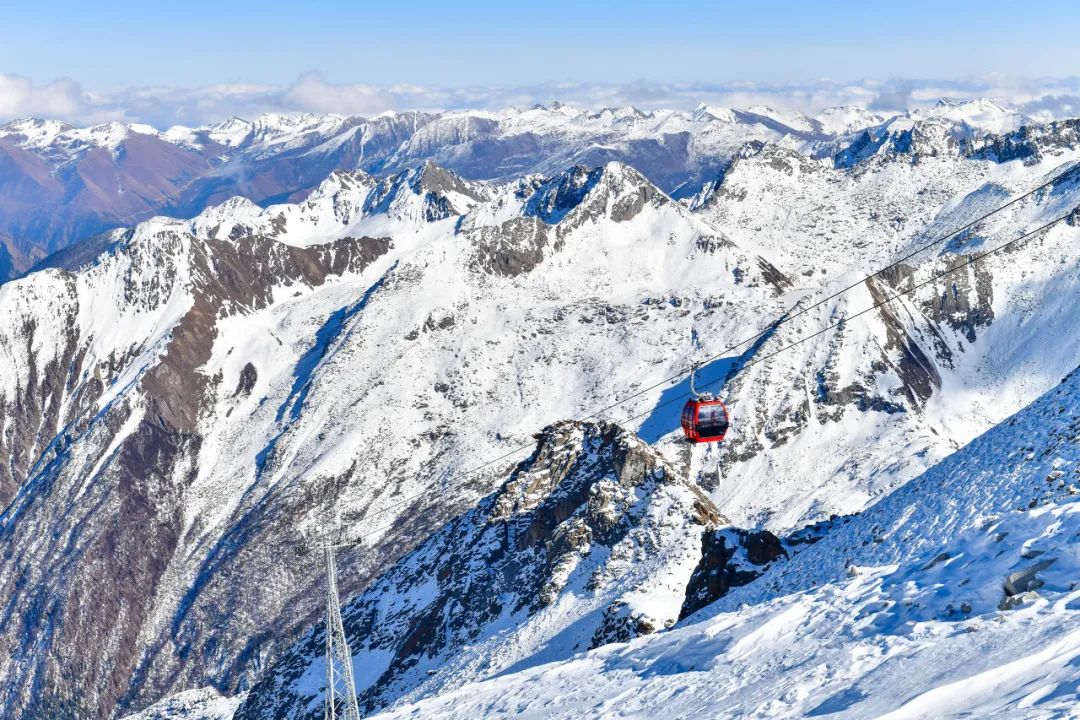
(61, 184)
(182, 400)
(202, 392)
(592, 540)
(955, 596)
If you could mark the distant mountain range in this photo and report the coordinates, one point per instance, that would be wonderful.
(60, 184)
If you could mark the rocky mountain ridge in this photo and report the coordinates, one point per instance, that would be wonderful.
(591, 540)
(237, 378)
(60, 184)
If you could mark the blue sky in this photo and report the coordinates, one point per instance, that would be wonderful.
(498, 43)
(196, 62)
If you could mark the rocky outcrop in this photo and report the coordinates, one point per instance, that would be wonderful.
(729, 558)
(512, 248)
(561, 556)
(1031, 142)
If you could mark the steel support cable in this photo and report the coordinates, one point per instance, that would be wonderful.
(959, 266)
(761, 333)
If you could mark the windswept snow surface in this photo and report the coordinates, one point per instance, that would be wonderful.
(954, 597)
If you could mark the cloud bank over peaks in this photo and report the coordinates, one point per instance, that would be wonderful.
(66, 99)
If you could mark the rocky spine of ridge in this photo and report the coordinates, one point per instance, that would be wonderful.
(123, 519)
(594, 539)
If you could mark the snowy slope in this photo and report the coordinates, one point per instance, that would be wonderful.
(178, 409)
(953, 597)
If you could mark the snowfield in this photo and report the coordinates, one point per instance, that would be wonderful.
(186, 400)
(954, 597)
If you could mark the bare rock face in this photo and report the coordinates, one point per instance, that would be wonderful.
(729, 558)
(515, 247)
(123, 519)
(559, 557)
(248, 377)
(558, 196)
(1032, 142)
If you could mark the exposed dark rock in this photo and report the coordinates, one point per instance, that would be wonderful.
(917, 372)
(729, 558)
(246, 382)
(1025, 580)
(773, 276)
(432, 183)
(620, 624)
(517, 246)
(1031, 142)
(555, 198)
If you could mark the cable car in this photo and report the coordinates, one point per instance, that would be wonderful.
(704, 417)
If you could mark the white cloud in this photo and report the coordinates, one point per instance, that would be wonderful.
(1044, 98)
(60, 98)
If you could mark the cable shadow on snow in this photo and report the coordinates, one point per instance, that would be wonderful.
(712, 377)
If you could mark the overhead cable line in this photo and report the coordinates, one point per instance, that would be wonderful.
(781, 320)
(970, 261)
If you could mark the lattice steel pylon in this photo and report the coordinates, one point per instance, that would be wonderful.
(340, 698)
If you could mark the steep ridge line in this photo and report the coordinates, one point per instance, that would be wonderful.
(782, 319)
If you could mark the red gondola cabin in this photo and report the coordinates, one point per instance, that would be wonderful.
(704, 420)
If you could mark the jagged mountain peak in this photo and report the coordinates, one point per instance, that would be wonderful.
(583, 213)
(619, 114)
(433, 178)
(843, 120)
(708, 113)
(34, 131)
(232, 132)
(425, 193)
(593, 539)
(952, 127)
(981, 114)
(349, 203)
(55, 136)
(554, 197)
(615, 190)
(979, 103)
